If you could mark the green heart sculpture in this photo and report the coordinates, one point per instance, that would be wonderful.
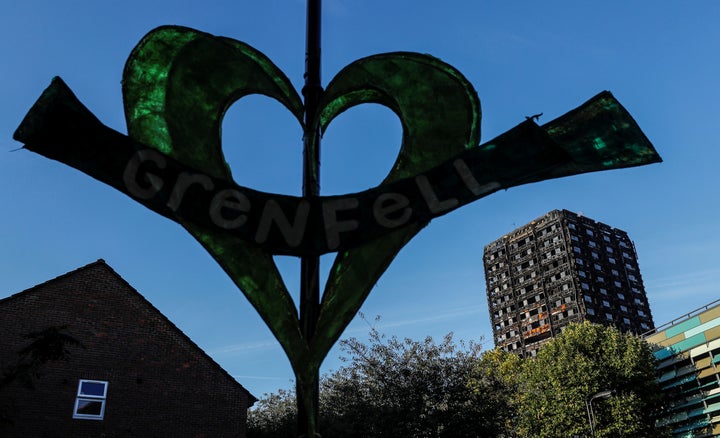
(179, 82)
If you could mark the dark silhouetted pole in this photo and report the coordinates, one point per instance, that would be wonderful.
(310, 265)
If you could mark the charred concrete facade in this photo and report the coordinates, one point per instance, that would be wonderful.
(558, 269)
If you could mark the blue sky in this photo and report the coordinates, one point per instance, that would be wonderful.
(660, 59)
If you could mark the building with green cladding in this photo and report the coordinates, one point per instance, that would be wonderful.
(688, 355)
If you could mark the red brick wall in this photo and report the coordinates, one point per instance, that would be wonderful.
(160, 383)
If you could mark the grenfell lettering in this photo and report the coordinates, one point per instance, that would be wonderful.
(314, 225)
(147, 178)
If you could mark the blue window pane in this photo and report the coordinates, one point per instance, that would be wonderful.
(95, 389)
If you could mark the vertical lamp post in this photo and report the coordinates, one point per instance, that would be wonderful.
(588, 406)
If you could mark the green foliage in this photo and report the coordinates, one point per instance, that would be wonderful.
(406, 388)
(499, 375)
(585, 360)
(274, 416)
(394, 388)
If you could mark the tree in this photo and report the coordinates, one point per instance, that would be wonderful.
(584, 360)
(406, 388)
(395, 388)
(499, 375)
(274, 416)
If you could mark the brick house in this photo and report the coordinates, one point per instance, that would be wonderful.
(135, 374)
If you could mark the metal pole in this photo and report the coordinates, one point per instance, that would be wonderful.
(590, 419)
(310, 265)
(588, 405)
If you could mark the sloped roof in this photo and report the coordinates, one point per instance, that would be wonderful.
(150, 307)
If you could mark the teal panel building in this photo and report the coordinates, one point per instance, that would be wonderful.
(688, 355)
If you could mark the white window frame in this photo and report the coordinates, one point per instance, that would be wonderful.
(83, 397)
